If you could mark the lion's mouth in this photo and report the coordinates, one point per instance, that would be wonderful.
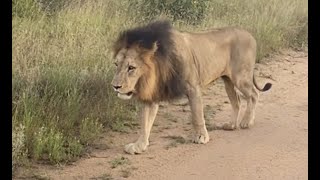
(125, 96)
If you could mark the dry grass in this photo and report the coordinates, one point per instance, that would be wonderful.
(119, 161)
(61, 79)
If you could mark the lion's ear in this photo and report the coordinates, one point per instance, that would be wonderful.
(119, 44)
(147, 51)
(154, 47)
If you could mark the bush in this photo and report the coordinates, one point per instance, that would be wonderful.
(187, 11)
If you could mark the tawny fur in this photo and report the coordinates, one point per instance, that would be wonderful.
(170, 63)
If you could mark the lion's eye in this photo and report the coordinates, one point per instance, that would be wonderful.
(130, 68)
(115, 64)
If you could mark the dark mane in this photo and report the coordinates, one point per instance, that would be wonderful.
(145, 36)
(168, 68)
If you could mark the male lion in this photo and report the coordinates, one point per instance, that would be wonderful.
(158, 63)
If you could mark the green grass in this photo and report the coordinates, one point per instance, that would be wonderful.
(61, 63)
(119, 161)
(62, 96)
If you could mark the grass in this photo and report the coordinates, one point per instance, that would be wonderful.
(175, 141)
(209, 112)
(125, 173)
(170, 117)
(61, 64)
(105, 176)
(119, 161)
(274, 24)
(62, 98)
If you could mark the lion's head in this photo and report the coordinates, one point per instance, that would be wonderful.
(135, 70)
(146, 65)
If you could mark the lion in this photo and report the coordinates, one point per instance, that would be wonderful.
(156, 62)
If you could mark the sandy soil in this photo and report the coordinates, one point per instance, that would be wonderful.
(275, 148)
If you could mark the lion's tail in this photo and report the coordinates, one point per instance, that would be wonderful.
(266, 87)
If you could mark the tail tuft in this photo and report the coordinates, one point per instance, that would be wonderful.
(267, 87)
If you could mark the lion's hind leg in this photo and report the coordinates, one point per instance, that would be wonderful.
(251, 96)
(235, 103)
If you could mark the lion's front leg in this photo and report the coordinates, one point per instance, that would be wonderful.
(148, 114)
(195, 100)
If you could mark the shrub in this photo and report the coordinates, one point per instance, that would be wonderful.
(187, 11)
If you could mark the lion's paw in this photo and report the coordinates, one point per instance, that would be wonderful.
(201, 139)
(246, 124)
(135, 148)
(229, 126)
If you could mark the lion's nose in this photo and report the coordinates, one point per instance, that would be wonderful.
(117, 87)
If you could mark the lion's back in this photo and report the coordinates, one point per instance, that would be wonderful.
(207, 54)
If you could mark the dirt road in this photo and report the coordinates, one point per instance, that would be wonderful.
(275, 148)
